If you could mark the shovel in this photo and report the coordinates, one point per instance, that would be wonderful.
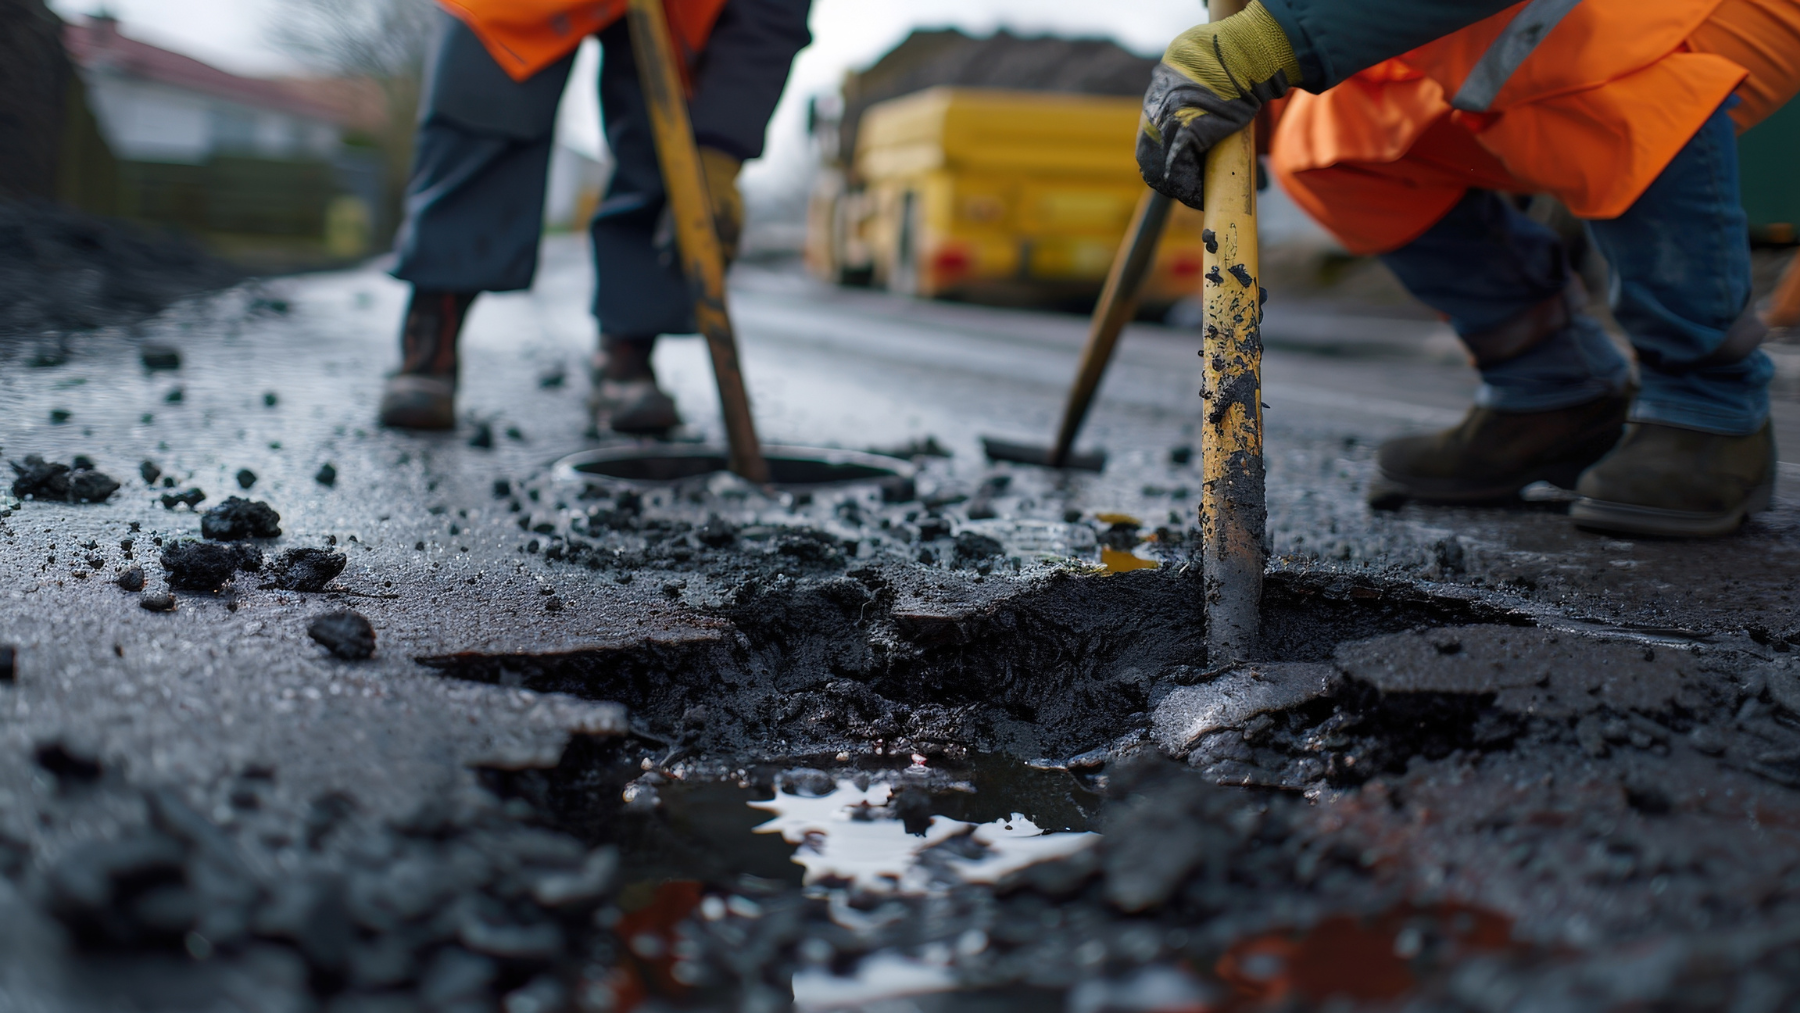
(702, 259)
(1118, 301)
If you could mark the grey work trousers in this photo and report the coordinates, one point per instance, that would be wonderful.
(475, 199)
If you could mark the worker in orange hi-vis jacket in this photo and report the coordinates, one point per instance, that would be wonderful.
(474, 202)
(1418, 127)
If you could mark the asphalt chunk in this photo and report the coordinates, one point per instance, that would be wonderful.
(326, 475)
(71, 764)
(159, 356)
(9, 663)
(205, 566)
(132, 579)
(246, 478)
(192, 497)
(50, 480)
(306, 569)
(237, 519)
(160, 601)
(347, 635)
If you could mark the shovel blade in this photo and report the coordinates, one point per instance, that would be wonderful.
(1028, 453)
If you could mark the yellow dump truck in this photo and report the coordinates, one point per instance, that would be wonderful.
(991, 195)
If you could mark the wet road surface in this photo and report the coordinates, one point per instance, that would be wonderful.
(447, 544)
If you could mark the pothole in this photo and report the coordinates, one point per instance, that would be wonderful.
(885, 663)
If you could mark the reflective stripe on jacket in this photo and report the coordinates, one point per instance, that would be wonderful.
(525, 36)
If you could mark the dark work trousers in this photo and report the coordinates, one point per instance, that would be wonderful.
(475, 200)
(1680, 268)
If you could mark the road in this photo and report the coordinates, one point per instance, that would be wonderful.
(282, 379)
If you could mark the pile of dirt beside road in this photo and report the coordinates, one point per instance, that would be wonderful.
(63, 271)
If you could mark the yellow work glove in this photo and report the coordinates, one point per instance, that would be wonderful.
(1209, 85)
(727, 203)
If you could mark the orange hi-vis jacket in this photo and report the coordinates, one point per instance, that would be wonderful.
(1610, 94)
(525, 36)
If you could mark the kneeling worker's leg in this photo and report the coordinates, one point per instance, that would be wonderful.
(1699, 455)
(474, 208)
(1553, 393)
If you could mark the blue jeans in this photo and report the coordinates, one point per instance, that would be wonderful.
(1680, 266)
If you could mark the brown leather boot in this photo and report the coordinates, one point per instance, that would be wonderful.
(1684, 483)
(624, 396)
(422, 395)
(1491, 455)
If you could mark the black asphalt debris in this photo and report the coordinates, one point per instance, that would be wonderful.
(159, 356)
(48, 480)
(245, 478)
(159, 601)
(326, 475)
(306, 569)
(346, 634)
(150, 472)
(132, 579)
(191, 497)
(237, 519)
(9, 663)
(206, 566)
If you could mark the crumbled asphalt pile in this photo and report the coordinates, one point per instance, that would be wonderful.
(306, 569)
(69, 483)
(346, 634)
(1199, 896)
(451, 907)
(206, 566)
(61, 270)
(237, 519)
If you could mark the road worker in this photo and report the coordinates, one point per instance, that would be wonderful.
(1419, 124)
(474, 203)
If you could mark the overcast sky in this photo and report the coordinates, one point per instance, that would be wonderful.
(234, 34)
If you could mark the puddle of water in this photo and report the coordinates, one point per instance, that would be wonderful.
(850, 835)
(879, 976)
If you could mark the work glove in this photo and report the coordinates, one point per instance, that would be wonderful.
(721, 172)
(1209, 85)
(727, 203)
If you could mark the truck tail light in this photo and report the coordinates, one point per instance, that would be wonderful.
(950, 262)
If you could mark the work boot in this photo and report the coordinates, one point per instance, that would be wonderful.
(624, 396)
(422, 395)
(1666, 480)
(1493, 454)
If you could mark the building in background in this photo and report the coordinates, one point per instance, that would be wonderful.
(258, 168)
